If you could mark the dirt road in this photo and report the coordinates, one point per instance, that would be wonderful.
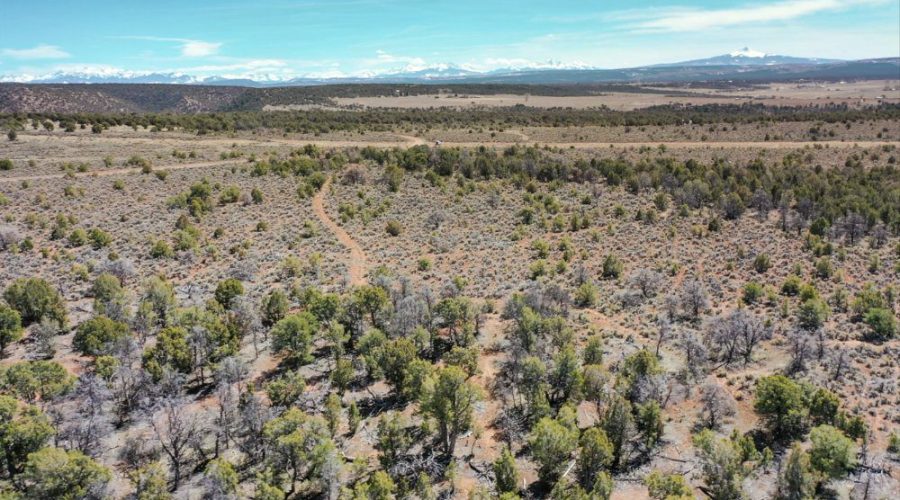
(401, 140)
(409, 141)
(120, 171)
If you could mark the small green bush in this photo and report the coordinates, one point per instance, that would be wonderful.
(99, 238)
(78, 238)
(161, 250)
(752, 292)
(882, 324)
(791, 285)
(393, 228)
(762, 263)
(612, 267)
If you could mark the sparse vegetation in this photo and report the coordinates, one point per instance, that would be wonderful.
(450, 321)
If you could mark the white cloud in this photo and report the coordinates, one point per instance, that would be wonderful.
(198, 48)
(680, 19)
(188, 46)
(41, 51)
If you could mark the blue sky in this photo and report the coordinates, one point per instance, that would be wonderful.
(285, 38)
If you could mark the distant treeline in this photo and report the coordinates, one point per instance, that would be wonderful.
(289, 95)
(820, 198)
(164, 98)
(324, 121)
(843, 201)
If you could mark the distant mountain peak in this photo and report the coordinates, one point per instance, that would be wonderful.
(749, 57)
(748, 52)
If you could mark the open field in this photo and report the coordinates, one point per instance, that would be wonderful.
(511, 288)
(781, 94)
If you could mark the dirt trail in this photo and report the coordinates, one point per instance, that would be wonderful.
(118, 171)
(477, 451)
(682, 145)
(356, 266)
(523, 137)
(408, 141)
(412, 140)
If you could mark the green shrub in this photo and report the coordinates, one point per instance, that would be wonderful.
(612, 267)
(99, 238)
(10, 326)
(812, 314)
(293, 336)
(230, 194)
(832, 453)
(868, 298)
(762, 263)
(894, 443)
(161, 250)
(752, 292)
(274, 307)
(106, 287)
(791, 285)
(882, 324)
(64, 474)
(186, 239)
(227, 290)
(78, 238)
(661, 202)
(824, 270)
(586, 295)
(393, 228)
(137, 161)
(96, 335)
(35, 299)
(808, 292)
(781, 403)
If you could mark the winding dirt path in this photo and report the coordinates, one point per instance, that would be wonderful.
(357, 263)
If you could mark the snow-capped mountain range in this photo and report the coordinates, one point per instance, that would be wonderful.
(440, 71)
(444, 72)
(750, 57)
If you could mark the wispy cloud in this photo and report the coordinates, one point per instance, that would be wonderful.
(681, 19)
(188, 47)
(382, 57)
(41, 51)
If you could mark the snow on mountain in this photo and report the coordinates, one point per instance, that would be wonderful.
(271, 74)
(747, 52)
(102, 75)
(749, 57)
